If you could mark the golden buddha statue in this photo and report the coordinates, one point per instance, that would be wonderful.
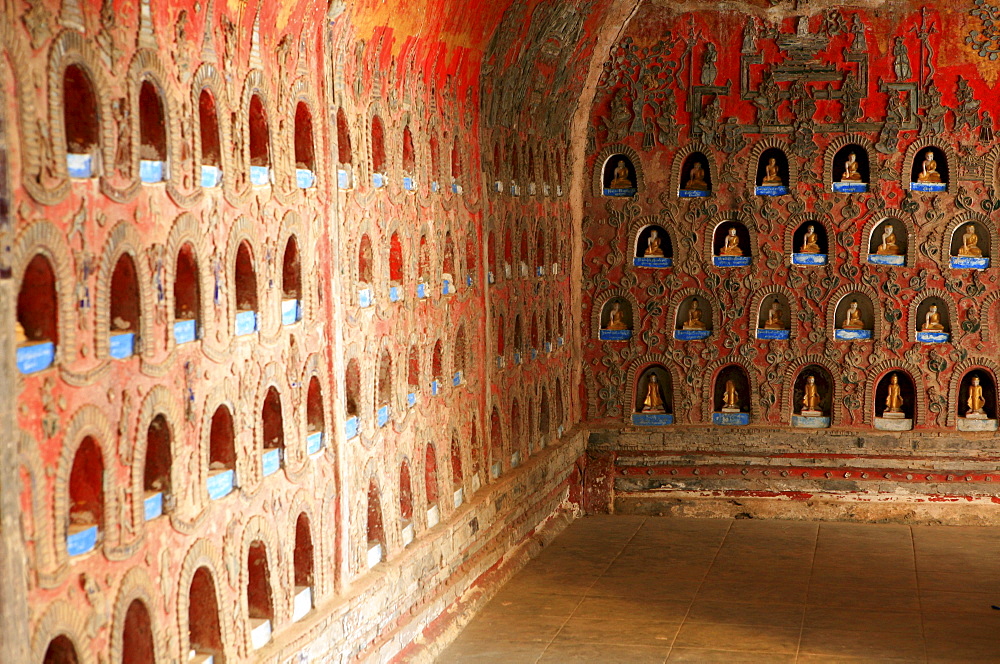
(852, 319)
(888, 247)
(730, 398)
(928, 170)
(694, 321)
(653, 248)
(811, 398)
(19, 335)
(774, 321)
(621, 179)
(970, 243)
(772, 177)
(653, 402)
(894, 399)
(976, 401)
(810, 243)
(932, 321)
(696, 178)
(616, 319)
(851, 173)
(731, 245)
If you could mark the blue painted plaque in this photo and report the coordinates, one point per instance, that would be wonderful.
(694, 193)
(548, 345)
(730, 261)
(731, 419)
(514, 190)
(969, 263)
(810, 422)
(446, 287)
(152, 506)
(81, 540)
(378, 180)
(435, 187)
(434, 388)
(270, 461)
(220, 483)
(421, 290)
(852, 335)
(619, 193)
(314, 442)
(614, 335)
(771, 190)
(878, 259)
(652, 419)
(517, 358)
(468, 281)
(80, 165)
(246, 322)
(185, 331)
(655, 262)
(456, 188)
(499, 361)
(409, 184)
(933, 337)
(305, 178)
(456, 380)
(534, 354)
(560, 339)
(540, 271)
(692, 335)
(772, 334)
(808, 259)
(351, 427)
(382, 416)
(291, 311)
(260, 175)
(364, 297)
(928, 186)
(395, 293)
(850, 187)
(498, 187)
(122, 345)
(343, 179)
(32, 357)
(411, 399)
(150, 171)
(211, 176)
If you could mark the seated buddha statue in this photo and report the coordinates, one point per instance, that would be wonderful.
(653, 245)
(928, 170)
(731, 245)
(772, 177)
(774, 321)
(696, 178)
(616, 319)
(852, 319)
(810, 243)
(621, 179)
(970, 243)
(932, 321)
(694, 321)
(888, 247)
(851, 173)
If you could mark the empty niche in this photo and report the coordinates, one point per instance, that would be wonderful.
(518, 339)
(272, 432)
(501, 346)
(305, 160)
(471, 250)
(366, 271)
(895, 398)
(554, 251)
(533, 331)
(515, 171)
(812, 398)
(653, 248)
(929, 171)
(548, 331)
(260, 604)
(352, 397)
(456, 168)
(540, 253)
(211, 150)
(345, 179)
(491, 258)
(496, 444)
(86, 498)
(246, 291)
(406, 504)
(933, 322)
(378, 152)
(731, 396)
(696, 176)
(448, 285)
(888, 243)
(37, 327)
(383, 401)
(260, 143)
(731, 245)
(653, 397)
(528, 432)
(303, 561)
(477, 455)
(508, 252)
(137, 635)
(694, 319)
(291, 283)
(413, 376)
(437, 368)
(854, 318)
(516, 440)
(618, 176)
(458, 495)
(395, 268)
(204, 630)
(543, 416)
(60, 651)
(977, 401)
(81, 122)
(315, 418)
(125, 310)
(423, 268)
(774, 317)
(772, 173)
(851, 171)
(616, 320)
(435, 150)
(221, 454)
(156, 473)
(187, 295)
(460, 351)
(374, 532)
(409, 161)
(970, 246)
(152, 134)
(559, 405)
(525, 255)
(809, 244)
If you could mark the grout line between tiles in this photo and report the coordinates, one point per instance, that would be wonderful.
(805, 601)
(920, 600)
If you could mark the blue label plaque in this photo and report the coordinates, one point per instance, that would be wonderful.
(246, 322)
(517, 358)
(614, 335)
(652, 419)
(351, 427)
(395, 293)
(150, 172)
(850, 187)
(291, 312)
(383, 416)
(694, 193)
(409, 184)
(260, 175)
(220, 484)
(619, 193)
(499, 361)
(434, 388)
(270, 461)
(539, 271)
(692, 335)
(79, 542)
(122, 345)
(152, 507)
(878, 259)
(969, 263)
(305, 178)
(852, 335)
(435, 187)
(771, 190)
(378, 180)
(731, 261)
(411, 399)
(468, 280)
(456, 188)
(772, 334)
(211, 176)
(456, 380)
(446, 288)
(808, 259)
(421, 290)
(314, 442)
(560, 340)
(731, 419)
(548, 346)
(79, 165)
(343, 179)
(928, 186)
(933, 337)
(365, 297)
(33, 357)
(810, 422)
(185, 331)
(654, 262)
(534, 354)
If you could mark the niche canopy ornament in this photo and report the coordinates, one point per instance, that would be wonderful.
(652, 398)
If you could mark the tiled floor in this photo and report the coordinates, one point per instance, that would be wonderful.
(636, 590)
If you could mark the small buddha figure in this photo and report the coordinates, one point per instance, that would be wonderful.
(811, 398)
(653, 247)
(970, 243)
(851, 173)
(621, 179)
(694, 321)
(616, 319)
(772, 177)
(932, 321)
(731, 245)
(696, 178)
(928, 170)
(852, 320)
(653, 403)
(894, 399)
(888, 247)
(976, 401)
(774, 321)
(810, 243)
(19, 335)
(730, 398)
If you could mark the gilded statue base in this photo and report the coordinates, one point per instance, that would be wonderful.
(812, 413)
(894, 416)
(810, 422)
(729, 409)
(969, 263)
(968, 424)
(890, 424)
(980, 415)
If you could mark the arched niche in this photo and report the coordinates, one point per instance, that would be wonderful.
(618, 176)
(812, 398)
(431, 486)
(406, 503)
(211, 139)
(616, 320)
(378, 156)
(731, 396)
(203, 621)
(774, 318)
(496, 444)
(291, 283)
(61, 650)
(366, 271)
(731, 245)
(374, 531)
(152, 134)
(86, 499)
(413, 373)
(929, 170)
(260, 598)
(383, 395)
(125, 310)
(303, 568)
(272, 431)
(409, 161)
(37, 326)
(345, 178)
(187, 295)
(157, 471)
(305, 160)
(653, 247)
(260, 143)
(245, 280)
(654, 397)
(221, 454)
(694, 318)
(970, 246)
(315, 417)
(977, 401)
(81, 120)
(854, 318)
(352, 398)
(810, 245)
(851, 169)
(932, 324)
(457, 476)
(437, 367)
(448, 274)
(895, 400)
(696, 176)
(888, 242)
(137, 635)
(772, 177)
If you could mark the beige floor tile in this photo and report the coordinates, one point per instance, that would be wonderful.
(965, 650)
(595, 653)
(884, 645)
(841, 659)
(635, 631)
(837, 595)
(941, 601)
(861, 620)
(537, 603)
(945, 628)
(751, 638)
(491, 651)
(627, 607)
(740, 613)
(707, 656)
(518, 627)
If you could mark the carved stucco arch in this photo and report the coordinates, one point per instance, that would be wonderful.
(678, 298)
(123, 239)
(41, 523)
(301, 94)
(159, 401)
(61, 619)
(955, 225)
(506, 445)
(369, 476)
(635, 370)
(838, 144)
(824, 220)
(301, 503)
(395, 227)
(186, 230)
(315, 367)
(757, 300)
(792, 372)
(326, 543)
(600, 300)
(147, 67)
(597, 179)
(354, 351)
(203, 554)
(208, 78)
(986, 315)
(729, 217)
(641, 224)
(677, 165)
(958, 372)
(874, 220)
(387, 346)
(255, 84)
(243, 230)
(261, 529)
(992, 171)
(949, 155)
(878, 371)
(292, 226)
(272, 376)
(919, 298)
(375, 110)
(136, 585)
(711, 373)
(225, 394)
(846, 291)
(759, 148)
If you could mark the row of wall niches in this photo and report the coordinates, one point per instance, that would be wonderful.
(851, 173)
(969, 245)
(892, 401)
